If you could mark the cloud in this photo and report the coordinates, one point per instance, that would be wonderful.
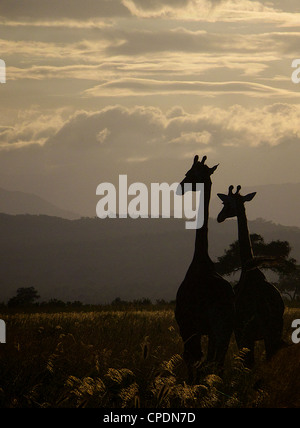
(181, 40)
(137, 131)
(64, 23)
(137, 42)
(116, 56)
(157, 4)
(179, 46)
(64, 158)
(156, 8)
(35, 49)
(61, 9)
(30, 11)
(131, 86)
(192, 138)
(80, 71)
(34, 129)
(246, 11)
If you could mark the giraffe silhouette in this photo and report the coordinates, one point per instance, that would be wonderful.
(204, 300)
(258, 304)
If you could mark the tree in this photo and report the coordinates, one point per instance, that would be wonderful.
(273, 256)
(25, 296)
(289, 282)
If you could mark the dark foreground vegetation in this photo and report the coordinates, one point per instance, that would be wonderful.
(128, 354)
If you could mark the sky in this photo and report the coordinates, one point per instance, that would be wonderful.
(99, 88)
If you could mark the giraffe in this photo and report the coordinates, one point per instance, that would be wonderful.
(204, 300)
(258, 304)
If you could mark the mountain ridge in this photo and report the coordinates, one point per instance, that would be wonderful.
(279, 203)
(16, 202)
(95, 261)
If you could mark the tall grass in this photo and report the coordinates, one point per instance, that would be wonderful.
(116, 358)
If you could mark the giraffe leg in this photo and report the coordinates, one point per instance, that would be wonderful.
(215, 356)
(221, 352)
(273, 333)
(211, 348)
(192, 356)
(278, 341)
(249, 360)
(222, 344)
(249, 357)
(244, 342)
(222, 323)
(273, 344)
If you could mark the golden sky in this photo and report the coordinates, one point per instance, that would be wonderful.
(98, 88)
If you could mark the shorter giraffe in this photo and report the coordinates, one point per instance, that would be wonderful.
(258, 304)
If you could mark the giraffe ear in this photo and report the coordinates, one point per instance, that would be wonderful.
(222, 196)
(249, 197)
(212, 170)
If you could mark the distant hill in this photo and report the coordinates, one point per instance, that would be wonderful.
(14, 202)
(277, 202)
(95, 260)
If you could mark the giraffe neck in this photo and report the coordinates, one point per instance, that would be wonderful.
(201, 242)
(246, 252)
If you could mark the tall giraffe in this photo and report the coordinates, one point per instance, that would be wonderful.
(204, 301)
(258, 304)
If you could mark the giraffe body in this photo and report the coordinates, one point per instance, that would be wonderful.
(259, 306)
(205, 300)
(204, 306)
(259, 314)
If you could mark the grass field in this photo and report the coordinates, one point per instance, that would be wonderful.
(117, 358)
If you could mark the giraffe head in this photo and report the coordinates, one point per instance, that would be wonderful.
(199, 173)
(232, 202)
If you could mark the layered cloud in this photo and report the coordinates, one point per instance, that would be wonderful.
(127, 87)
(30, 11)
(140, 130)
(179, 39)
(141, 62)
(115, 42)
(60, 9)
(65, 158)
